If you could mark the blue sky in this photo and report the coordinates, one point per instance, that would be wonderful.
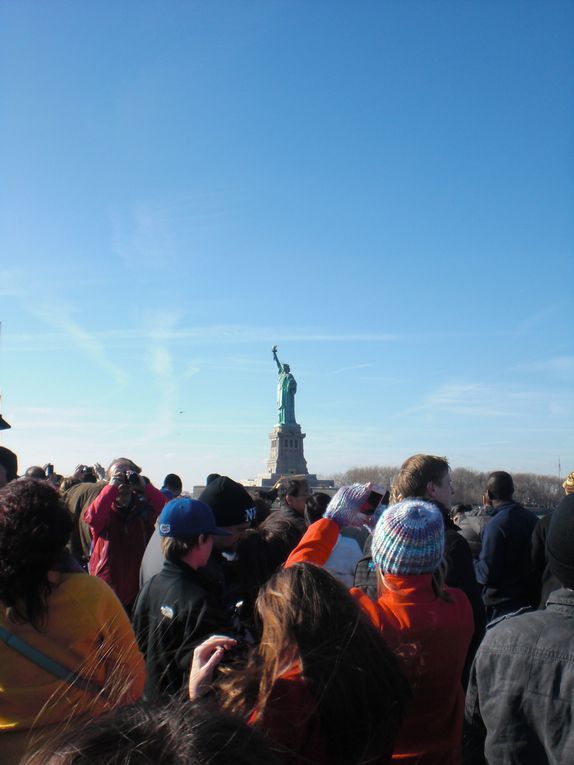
(383, 189)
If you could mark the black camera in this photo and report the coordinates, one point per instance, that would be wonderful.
(131, 478)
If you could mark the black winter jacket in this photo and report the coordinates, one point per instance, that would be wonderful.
(175, 610)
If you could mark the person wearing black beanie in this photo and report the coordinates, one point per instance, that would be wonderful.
(545, 580)
(230, 501)
(234, 511)
(560, 542)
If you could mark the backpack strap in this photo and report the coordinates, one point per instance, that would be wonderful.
(47, 663)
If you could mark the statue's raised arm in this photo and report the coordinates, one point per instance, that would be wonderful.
(279, 365)
(286, 389)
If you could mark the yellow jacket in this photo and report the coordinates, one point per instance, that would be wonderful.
(88, 631)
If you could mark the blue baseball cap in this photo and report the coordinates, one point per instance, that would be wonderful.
(183, 518)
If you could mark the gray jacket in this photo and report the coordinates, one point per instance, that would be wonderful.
(471, 525)
(520, 698)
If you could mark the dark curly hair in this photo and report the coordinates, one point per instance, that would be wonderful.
(35, 527)
(175, 733)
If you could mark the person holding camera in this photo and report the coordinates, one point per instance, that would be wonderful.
(121, 521)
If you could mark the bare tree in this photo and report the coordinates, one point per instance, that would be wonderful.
(537, 491)
(382, 475)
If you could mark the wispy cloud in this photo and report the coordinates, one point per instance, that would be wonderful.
(559, 366)
(349, 369)
(475, 400)
(166, 377)
(11, 284)
(536, 319)
(59, 317)
(149, 231)
(189, 372)
(161, 364)
(144, 236)
(57, 419)
(209, 334)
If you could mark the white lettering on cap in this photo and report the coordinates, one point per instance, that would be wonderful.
(164, 528)
(250, 514)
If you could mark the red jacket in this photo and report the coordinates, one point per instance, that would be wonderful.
(430, 636)
(291, 720)
(120, 539)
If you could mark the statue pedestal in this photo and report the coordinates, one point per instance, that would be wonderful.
(286, 455)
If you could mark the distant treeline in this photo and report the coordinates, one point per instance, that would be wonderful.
(543, 491)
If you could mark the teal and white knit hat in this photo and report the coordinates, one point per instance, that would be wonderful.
(409, 538)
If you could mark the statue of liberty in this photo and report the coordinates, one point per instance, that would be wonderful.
(286, 390)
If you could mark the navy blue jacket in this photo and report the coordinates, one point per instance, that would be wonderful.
(504, 567)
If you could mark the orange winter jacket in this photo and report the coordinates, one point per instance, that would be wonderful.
(431, 638)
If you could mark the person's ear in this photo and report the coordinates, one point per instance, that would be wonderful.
(430, 490)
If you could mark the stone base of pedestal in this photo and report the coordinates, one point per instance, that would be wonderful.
(286, 457)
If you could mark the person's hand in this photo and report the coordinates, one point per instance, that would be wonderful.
(206, 657)
(82, 472)
(346, 504)
(99, 471)
(136, 482)
(118, 478)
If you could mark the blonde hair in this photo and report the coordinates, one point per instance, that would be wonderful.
(174, 549)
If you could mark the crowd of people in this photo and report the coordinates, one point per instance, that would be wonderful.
(139, 625)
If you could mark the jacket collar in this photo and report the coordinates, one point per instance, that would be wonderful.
(414, 588)
(505, 505)
(181, 570)
(561, 597)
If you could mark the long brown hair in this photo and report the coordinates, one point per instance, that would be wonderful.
(355, 679)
